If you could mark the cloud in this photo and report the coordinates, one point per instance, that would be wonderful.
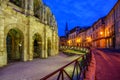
(78, 12)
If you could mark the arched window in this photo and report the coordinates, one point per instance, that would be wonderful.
(17, 2)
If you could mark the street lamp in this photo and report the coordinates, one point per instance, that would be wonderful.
(78, 40)
(101, 33)
(89, 39)
(69, 42)
(20, 44)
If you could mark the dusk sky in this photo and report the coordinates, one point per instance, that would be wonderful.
(78, 12)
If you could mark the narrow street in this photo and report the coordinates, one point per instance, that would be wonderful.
(34, 70)
(107, 64)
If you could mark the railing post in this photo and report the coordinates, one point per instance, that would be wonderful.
(74, 70)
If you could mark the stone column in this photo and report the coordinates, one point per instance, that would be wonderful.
(30, 48)
(3, 55)
(31, 7)
(42, 52)
(57, 43)
(3, 3)
(53, 43)
(45, 43)
(30, 39)
(25, 6)
(43, 13)
(25, 45)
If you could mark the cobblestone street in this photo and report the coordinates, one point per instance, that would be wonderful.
(35, 69)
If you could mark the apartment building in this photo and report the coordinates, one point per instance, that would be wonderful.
(104, 33)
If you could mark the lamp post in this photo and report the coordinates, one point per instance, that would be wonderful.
(20, 45)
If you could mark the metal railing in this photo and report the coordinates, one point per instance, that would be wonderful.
(74, 70)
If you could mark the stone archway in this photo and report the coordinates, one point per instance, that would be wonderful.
(49, 47)
(14, 45)
(16, 2)
(37, 46)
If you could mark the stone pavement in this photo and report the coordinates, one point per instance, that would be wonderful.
(90, 74)
(34, 70)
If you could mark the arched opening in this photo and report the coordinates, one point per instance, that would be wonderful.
(17, 2)
(14, 45)
(37, 46)
(37, 8)
(49, 47)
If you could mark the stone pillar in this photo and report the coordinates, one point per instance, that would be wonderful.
(57, 43)
(25, 45)
(26, 7)
(29, 39)
(3, 3)
(43, 13)
(31, 7)
(3, 55)
(30, 48)
(42, 52)
(45, 43)
(53, 43)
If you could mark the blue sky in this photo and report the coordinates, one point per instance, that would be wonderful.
(78, 12)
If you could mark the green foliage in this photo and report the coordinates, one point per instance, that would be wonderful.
(73, 52)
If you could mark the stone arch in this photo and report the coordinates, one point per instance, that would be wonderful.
(14, 45)
(49, 47)
(20, 3)
(37, 45)
(19, 26)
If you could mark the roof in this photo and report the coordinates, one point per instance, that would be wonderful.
(77, 28)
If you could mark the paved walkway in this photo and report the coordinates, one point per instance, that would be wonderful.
(105, 64)
(90, 74)
(35, 69)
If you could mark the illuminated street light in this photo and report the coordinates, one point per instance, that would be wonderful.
(20, 44)
(69, 42)
(101, 33)
(89, 39)
(78, 40)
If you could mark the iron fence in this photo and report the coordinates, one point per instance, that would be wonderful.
(74, 70)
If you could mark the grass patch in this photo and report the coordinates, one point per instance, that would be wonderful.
(73, 52)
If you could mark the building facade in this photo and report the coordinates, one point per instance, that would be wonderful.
(104, 33)
(72, 36)
(117, 24)
(98, 34)
(28, 30)
(63, 41)
(81, 38)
